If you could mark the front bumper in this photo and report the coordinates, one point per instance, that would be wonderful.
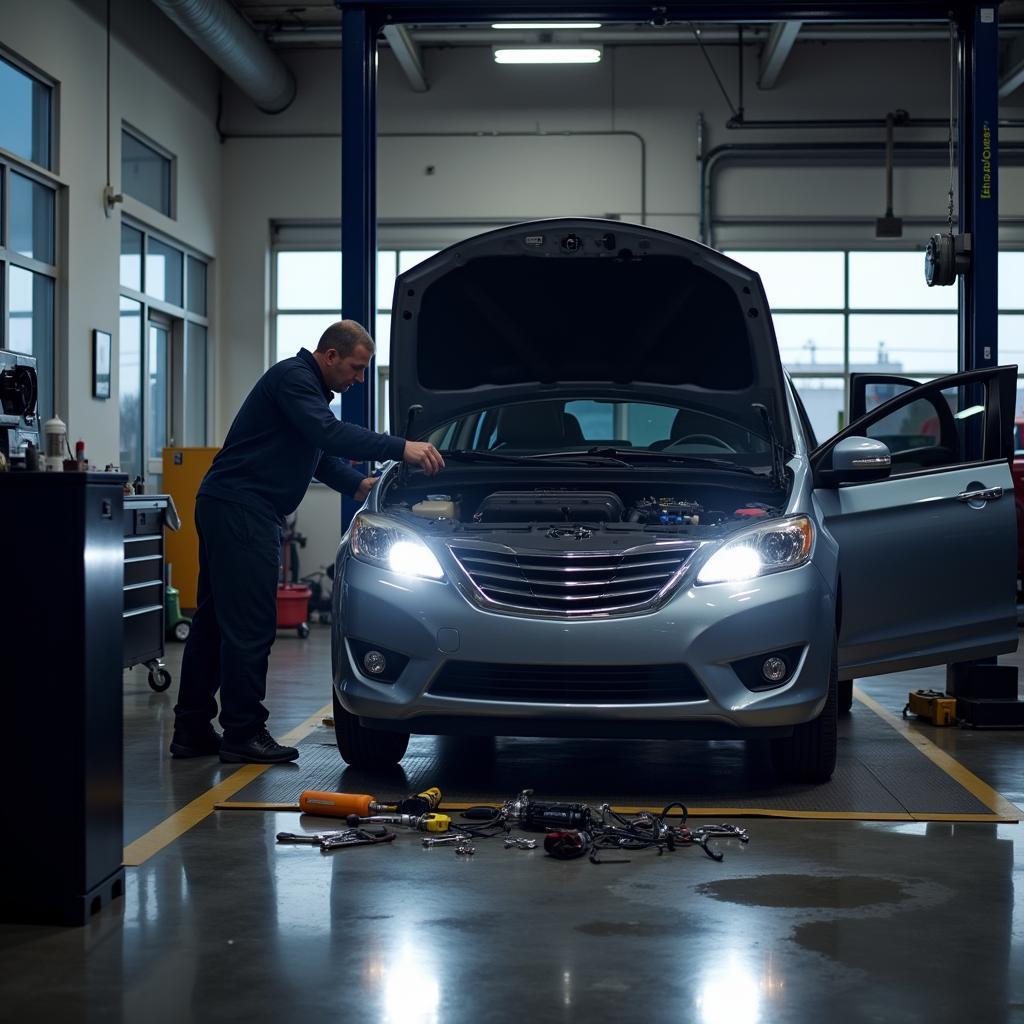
(705, 628)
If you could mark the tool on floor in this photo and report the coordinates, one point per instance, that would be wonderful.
(341, 805)
(432, 841)
(533, 815)
(519, 843)
(931, 705)
(338, 840)
(567, 844)
(420, 822)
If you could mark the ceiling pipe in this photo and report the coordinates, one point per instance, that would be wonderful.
(231, 43)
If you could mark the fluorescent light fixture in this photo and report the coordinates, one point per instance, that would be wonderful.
(547, 55)
(546, 25)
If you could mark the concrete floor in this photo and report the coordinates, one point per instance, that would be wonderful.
(854, 920)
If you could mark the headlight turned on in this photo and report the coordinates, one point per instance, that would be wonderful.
(384, 543)
(782, 545)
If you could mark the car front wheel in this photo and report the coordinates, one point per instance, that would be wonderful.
(366, 748)
(809, 754)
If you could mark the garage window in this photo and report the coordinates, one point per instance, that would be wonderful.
(163, 349)
(843, 312)
(306, 290)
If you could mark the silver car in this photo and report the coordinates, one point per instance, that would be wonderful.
(636, 533)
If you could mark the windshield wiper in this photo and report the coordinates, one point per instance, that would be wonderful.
(567, 458)
(471, 455)
(778, 451)
(686, 460)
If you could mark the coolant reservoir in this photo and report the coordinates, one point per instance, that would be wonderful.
(436, 508)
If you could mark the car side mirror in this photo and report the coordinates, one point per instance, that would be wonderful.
(858, 459)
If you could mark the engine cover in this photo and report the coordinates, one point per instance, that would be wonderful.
(550, 507)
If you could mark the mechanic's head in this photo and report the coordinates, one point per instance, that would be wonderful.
(344, 353)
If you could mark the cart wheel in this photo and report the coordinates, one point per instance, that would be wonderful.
(181, 630)
(303, 630)
(159, 679)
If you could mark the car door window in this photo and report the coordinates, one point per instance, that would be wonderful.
(923, 433)
(936, 424)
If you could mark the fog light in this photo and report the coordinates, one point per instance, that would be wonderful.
(773, 669)
(375, 663)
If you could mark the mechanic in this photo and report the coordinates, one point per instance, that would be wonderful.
(284, 434)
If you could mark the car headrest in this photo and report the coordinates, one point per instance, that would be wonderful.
(531, 425)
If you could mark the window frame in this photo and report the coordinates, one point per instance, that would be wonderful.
(53, 142)
(57, 400)
(178, 317)
(127, 128)
(848, 312)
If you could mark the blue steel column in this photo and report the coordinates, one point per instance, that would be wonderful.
(358, 202)
(979, 202)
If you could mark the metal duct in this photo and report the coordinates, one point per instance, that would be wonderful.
(230, 42)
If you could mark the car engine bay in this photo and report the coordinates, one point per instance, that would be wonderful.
(487, 505)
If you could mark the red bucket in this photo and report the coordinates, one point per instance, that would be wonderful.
(292, 605)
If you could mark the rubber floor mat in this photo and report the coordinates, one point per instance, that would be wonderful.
(879, 776)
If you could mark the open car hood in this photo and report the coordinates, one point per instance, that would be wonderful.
(582, 308)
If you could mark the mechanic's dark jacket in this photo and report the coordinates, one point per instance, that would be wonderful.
(284, 435)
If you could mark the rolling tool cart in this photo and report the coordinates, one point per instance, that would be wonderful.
(145, 589)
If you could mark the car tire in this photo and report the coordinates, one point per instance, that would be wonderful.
(845, 696)
(366, 748)
(809, 754)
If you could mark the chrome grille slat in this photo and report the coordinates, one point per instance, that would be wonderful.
(573, 583)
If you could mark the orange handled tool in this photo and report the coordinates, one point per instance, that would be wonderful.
(341, 805)
(338, 805)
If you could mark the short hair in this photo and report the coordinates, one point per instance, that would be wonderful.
(344, 337)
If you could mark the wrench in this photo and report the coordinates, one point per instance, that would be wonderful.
(429, 841)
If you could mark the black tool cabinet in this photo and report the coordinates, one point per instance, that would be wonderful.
(61, 606)
(145, 517)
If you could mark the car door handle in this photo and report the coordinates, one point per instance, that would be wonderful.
(987, 494)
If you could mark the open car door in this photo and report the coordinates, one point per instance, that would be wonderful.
(927, 555)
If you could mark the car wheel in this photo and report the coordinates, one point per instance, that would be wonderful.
(366, 748)
(845, 696)
(809, 754)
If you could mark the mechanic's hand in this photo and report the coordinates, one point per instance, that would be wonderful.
(364, 488)
(424, 455)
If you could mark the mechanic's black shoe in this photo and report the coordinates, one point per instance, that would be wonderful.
(259, 749)
(185, 744)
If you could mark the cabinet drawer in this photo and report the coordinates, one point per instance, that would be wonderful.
(143, 569)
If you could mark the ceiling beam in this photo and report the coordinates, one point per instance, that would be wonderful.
(1012, 76)
(407, 53)
(776, 51)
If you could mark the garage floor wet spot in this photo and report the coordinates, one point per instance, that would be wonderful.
(847, 892)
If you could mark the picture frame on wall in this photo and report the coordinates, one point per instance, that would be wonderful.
(100, 364)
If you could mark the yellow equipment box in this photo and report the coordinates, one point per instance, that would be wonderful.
(184, 469)
(931, 705)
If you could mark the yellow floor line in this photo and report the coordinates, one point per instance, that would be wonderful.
(1002, 809)
(695, 812)
(190, 815)
(995, 801)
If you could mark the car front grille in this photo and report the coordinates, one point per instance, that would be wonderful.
(568, 684)
(571, 583)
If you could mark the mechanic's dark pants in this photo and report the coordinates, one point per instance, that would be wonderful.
(235, 622)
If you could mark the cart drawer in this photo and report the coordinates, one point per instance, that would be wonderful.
(143, 569)
(143, 634)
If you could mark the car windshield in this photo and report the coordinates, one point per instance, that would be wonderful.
(603, 427)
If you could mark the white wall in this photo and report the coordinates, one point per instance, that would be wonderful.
(163, 86)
